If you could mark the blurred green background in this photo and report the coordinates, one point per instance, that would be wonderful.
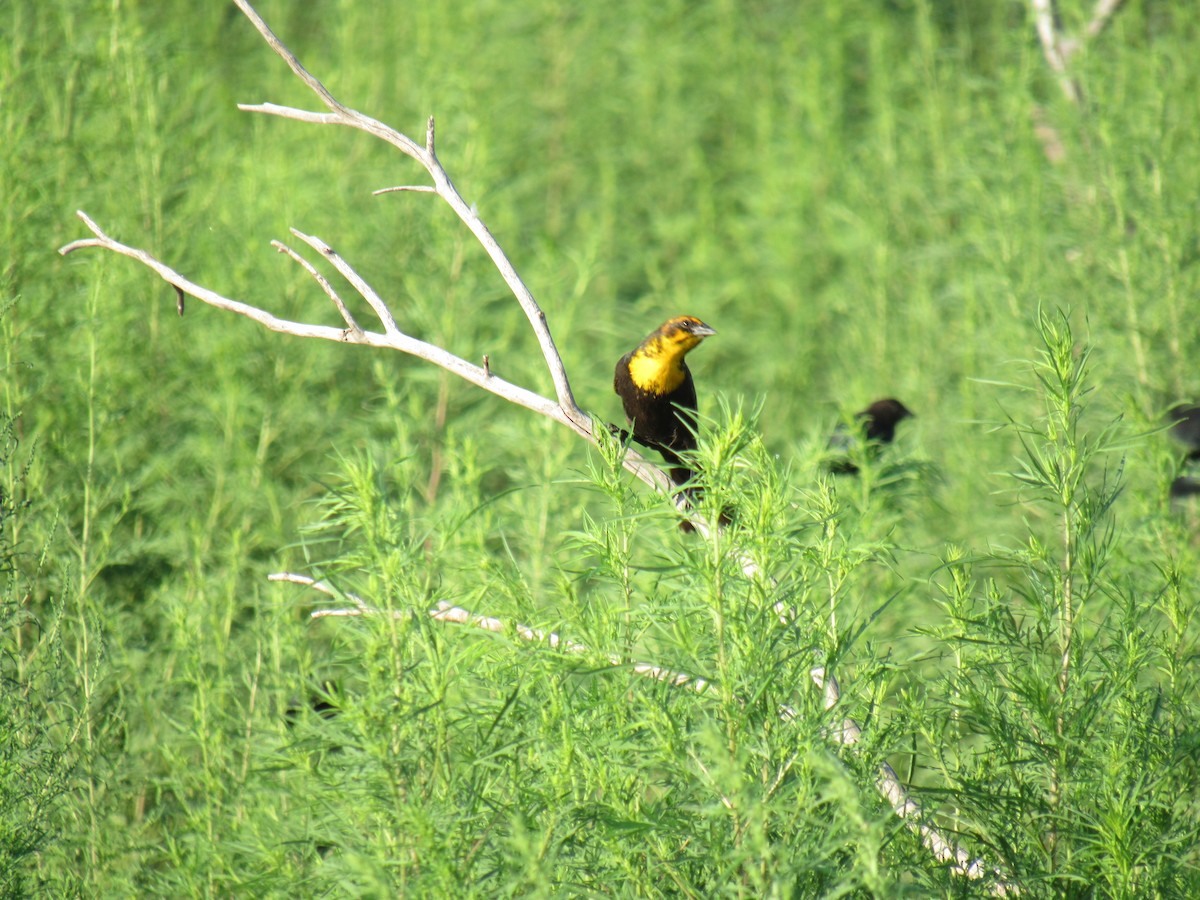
(865, 199)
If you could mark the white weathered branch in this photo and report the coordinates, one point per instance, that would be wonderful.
(893, 789)
(342, 115)
(1101, 16)
(1058, 48)
(416, 188)
(1046, 20)
(323, 283)
(365, 291)
(847, 733)
(394, 339)
(448, 612)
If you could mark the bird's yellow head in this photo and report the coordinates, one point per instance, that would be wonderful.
(657, 364)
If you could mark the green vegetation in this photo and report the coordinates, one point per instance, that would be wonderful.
(857, 196)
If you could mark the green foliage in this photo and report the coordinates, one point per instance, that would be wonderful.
(563, 771)
(37, 746)
(865, 199)
(1055, 721)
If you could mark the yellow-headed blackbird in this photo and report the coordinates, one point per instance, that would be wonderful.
(658, 393)
(877, 424)
(1185, 427)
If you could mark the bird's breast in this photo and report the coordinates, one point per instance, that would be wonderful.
(656, 375)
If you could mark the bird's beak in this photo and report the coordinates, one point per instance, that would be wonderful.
(703, 330)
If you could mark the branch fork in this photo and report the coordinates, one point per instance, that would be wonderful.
(563, 408)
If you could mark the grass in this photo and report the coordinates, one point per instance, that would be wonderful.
(856, 196)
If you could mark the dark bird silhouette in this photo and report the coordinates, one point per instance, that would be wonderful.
(658, 393)
(1185, 428)
(876, 425)
(323, 702)
(1184, 487)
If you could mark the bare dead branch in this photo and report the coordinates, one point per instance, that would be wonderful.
(357, 281)
(415, 188)
(294, 64)
(893, 789)
(1101, 16)
(1049, 33)
(448, 612)
(342, 115)
(395, 341)
(1058, 48)
(324, 588)
(192, 289)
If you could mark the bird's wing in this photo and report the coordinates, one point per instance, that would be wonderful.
(684, 397)
(622, 377)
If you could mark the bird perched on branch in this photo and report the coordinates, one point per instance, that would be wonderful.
(657, 391)
(877, 424)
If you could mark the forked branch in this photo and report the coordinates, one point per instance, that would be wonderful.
(391, 337)
(1058, 48)
(340, 114)
(563, 409)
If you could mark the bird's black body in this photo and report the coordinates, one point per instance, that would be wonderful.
(663, 422)
(658, 393)
(1185, 427)
(878, 426)
(1183, 487)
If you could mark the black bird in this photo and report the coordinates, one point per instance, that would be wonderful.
(877, 424)
(323, 702)
(1184, 487)
(1186, 427)
(657, 391)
